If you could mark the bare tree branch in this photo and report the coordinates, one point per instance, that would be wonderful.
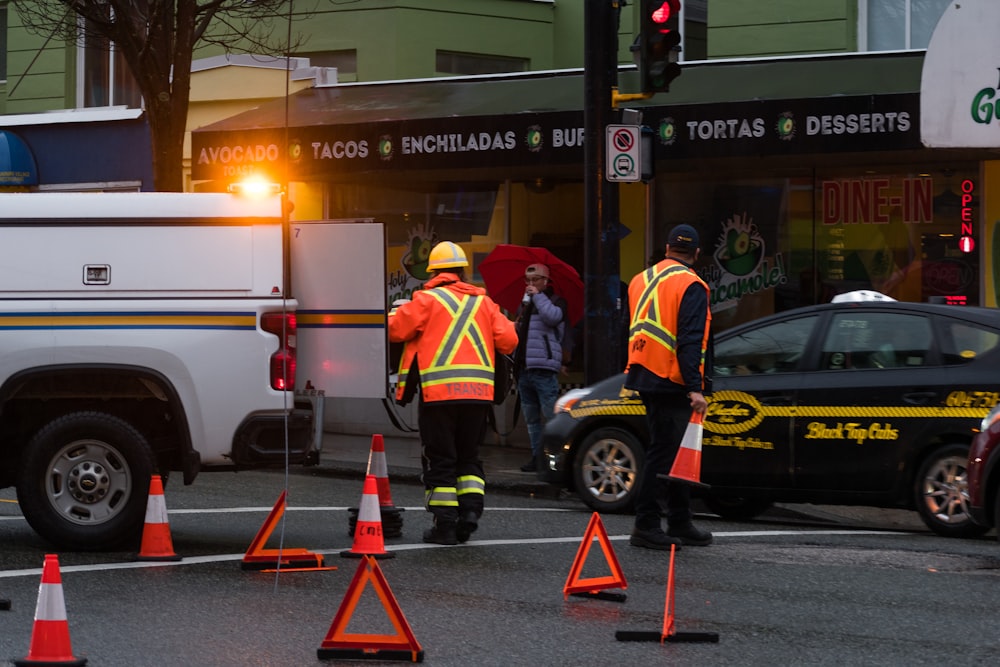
(157, 39)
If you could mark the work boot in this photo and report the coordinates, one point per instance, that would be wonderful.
(530, 466)
(690, 534)
(467, 524)
(654, 539)
(443, 532)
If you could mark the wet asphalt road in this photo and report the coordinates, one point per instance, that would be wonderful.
(779, 591)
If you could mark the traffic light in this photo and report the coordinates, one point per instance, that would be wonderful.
(657, 46)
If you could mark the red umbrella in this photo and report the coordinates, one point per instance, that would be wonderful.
(503, 272)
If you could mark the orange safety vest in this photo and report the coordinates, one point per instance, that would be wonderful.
(452, 329)
(655, 295)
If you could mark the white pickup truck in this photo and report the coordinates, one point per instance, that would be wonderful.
(145, 333)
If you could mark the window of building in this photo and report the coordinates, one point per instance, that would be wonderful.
(888, 25)
(3, 41)
(783, 239)
(103, 77)
(451, 62)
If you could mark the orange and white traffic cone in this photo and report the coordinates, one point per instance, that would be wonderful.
(156, 542)
(50, 636)
(687, 463)
(392, 520)
(368, 539)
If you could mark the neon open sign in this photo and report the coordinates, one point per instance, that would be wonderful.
(966, 243)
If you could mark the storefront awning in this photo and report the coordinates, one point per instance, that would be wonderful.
(537, 119)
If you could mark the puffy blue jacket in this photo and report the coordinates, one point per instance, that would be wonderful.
(542, 346)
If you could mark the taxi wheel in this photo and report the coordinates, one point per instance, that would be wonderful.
(606, 469)
(941, 493)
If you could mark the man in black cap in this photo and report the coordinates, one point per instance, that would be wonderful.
(668, 345)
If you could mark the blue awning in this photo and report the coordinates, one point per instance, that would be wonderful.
(17, 162)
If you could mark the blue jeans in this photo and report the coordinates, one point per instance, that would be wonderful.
(539, 390)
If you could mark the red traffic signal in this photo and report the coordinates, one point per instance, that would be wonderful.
(661, 12)
(657, 47)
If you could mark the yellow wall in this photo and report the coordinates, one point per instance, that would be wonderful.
(991, 234)
(222, 92)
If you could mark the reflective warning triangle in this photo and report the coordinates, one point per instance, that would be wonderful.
(574, 584)
(338, 643)
(259, 558)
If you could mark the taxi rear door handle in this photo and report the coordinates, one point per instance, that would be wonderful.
(776, 400)
(919, 397)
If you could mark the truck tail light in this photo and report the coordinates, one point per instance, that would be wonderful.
(282, 366)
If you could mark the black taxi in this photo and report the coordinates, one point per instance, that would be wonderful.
(853, 403)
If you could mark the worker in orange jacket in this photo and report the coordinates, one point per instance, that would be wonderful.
(451, 331)
(668, 345)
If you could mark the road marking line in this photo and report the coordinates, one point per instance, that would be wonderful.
(221, 558)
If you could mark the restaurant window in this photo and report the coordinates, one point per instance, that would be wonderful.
(889, 25)
(470, 214)
(104, 78)
(757, 245)
(897, 232)
(451, 62)
(778, 242)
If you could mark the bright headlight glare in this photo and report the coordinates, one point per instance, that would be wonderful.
(569, 399)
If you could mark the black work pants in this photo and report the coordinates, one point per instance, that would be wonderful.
(451, 434)
(668, 416)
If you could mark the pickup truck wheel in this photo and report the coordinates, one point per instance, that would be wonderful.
(606, 469)
(941, 493)
(83, 481)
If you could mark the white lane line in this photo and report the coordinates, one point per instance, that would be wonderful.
(220, 558)
(421, 508)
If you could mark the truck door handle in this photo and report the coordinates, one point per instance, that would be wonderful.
(919, 397)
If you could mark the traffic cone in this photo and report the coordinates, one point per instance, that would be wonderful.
(368, 533)
(50, 635)
(392, 521)
(687, 463)
(156, 542)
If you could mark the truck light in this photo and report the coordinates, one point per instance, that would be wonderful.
(255, 186)
(282, 363)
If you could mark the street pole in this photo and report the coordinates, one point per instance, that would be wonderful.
(604, 353)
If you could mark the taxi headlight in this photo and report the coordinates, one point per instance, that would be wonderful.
(992, 418)
(570, 398)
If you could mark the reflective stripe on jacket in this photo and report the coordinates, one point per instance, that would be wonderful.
(451, 329)
(656, 296)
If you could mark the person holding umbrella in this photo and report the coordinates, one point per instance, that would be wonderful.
(451, 331)
(541, 328)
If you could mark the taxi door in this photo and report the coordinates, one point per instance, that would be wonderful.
(873, 394)
(748, 425)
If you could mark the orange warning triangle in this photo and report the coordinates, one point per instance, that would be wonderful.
(259, 558)
(595, 529)
(339, 644)
(668, 605)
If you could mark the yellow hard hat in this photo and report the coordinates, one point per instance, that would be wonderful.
(446, 255)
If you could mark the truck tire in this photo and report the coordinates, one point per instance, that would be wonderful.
(83, 481)
(941, 493)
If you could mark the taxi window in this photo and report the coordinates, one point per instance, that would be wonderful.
(861, 340)
(964, 342)
(775, 348)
